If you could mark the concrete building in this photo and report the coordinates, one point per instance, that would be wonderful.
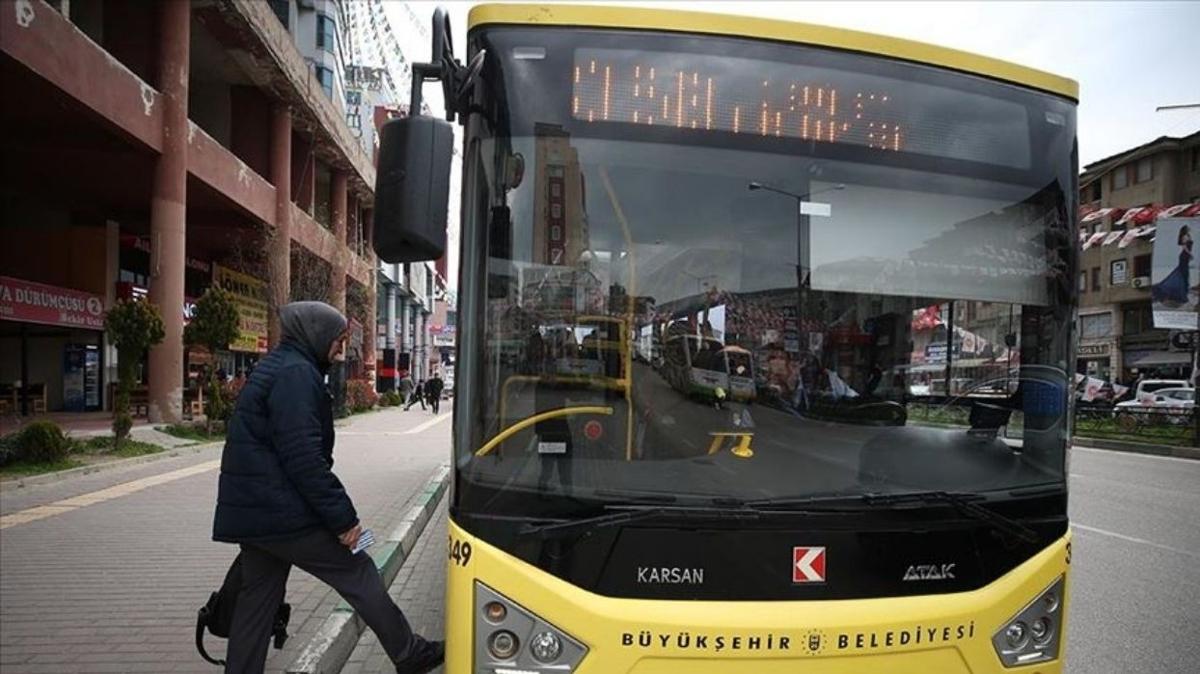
(1119, 198)
(160, 148)
(406, 303)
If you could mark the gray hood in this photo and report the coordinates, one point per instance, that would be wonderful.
(312, 327)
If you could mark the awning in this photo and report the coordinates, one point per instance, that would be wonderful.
(1180, 211)
(1113, 237)
(1094, 239)
(1160, 358)
(1139, 216)
(1135, 233)
(1099, 214)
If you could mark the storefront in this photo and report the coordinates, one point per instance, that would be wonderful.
(1159, 364)
(1095, 360)
(51, 348)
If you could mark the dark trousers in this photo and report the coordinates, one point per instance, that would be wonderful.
(414, 399)
(435, 402)
(265, 568)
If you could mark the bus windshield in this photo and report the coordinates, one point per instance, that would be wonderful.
(797, 274)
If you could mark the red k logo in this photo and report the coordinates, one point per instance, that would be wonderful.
(808, 565)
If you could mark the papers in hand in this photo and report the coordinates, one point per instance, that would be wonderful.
(365, 539)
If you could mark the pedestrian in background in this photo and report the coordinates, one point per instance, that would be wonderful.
(279, 499)
(417, 396)
(406, 388)
(434, 387)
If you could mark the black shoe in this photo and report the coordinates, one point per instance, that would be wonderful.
(429, 656)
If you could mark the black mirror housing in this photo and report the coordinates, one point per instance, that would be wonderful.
(412, 188)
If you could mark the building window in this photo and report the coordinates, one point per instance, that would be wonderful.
(1145, 170)
(1095, 279)
(1138, 320)
(1141, 266)
(1120, 177)
(1083, 281)
(1119, 272)
(1096, 326)
(325, 77)
(282, 9)
(326, 33)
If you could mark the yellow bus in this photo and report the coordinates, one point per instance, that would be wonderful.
(834, 185)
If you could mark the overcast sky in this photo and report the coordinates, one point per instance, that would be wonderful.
(1128, 57)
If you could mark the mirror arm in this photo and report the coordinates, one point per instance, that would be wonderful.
(443, 67)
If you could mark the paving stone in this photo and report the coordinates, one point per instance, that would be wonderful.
(115, 586)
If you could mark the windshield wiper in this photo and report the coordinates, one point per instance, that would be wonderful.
(964, 503)
(627, 514)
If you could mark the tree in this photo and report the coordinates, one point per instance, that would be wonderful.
(133, 326)
(215, 324)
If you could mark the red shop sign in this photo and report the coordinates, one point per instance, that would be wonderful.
(31, 302)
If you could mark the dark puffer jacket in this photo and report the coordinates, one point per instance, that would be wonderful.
(277, 476)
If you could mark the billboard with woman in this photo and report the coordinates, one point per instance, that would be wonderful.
(1176, 275)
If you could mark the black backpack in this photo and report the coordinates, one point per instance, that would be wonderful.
(217, 614)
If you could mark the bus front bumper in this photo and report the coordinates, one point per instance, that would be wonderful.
(926, 634)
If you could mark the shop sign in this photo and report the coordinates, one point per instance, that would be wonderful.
(250, 296)
(30, 302)
(1093, 349)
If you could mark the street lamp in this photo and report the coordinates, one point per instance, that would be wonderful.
(801, 223)
(802, 279)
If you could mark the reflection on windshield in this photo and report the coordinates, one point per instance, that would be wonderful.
(907, 339)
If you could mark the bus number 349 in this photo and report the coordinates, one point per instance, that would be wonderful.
(460, 552)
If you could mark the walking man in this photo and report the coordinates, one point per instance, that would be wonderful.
(417, 396)
(280, 501)
(435, 387)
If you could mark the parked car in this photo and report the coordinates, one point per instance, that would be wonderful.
(1148, 387)
(1164, 405)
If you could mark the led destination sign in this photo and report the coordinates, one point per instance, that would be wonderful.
(763, 98)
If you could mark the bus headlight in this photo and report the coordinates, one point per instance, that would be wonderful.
(511, 639)
(1034, 634)
(546, 647)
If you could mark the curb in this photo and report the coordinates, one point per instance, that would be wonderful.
(58, 476)
(1175, 451)
(328, 650)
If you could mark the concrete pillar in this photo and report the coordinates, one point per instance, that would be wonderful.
(423, 337)
(390, 340)
(337, 286)
(112, 271)
(168, 207)
(371, 329)
(279, 247)
(402, 319)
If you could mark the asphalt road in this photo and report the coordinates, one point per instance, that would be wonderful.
(68, 603)
(1135, 596)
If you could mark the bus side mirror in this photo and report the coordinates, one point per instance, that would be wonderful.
(412, 188)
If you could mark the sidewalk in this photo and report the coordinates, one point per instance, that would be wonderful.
(112, 584)
(420, 590)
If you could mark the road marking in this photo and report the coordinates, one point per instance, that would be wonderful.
(1134, 455)
(1132, 539)
(92, 498)
(429, 424)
